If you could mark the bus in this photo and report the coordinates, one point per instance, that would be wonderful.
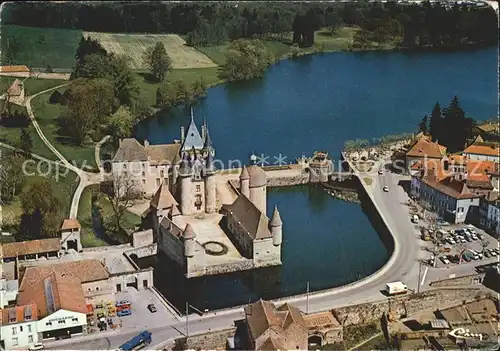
(137, 342)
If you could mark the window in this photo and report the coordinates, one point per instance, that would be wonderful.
(157, 181)
(75, 319)
(96, 288)
(143, 174)
(124, 166)
(30, 339)
(460, 209)
(20, 328)
(29, 328)
(14, 330)
(61, 321)
(162, 173)
(15, 342)
(144, 181)
(198, 188)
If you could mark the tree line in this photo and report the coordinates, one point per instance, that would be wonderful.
(413, 25)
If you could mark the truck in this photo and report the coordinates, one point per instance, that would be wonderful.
(396, 288)
(137, 342)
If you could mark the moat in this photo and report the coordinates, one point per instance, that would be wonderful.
(316, 103)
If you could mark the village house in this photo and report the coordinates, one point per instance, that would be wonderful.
(481, 150)
(489, 212)
(18, 326)
(30, 250)
(423, 149)
(489, 131)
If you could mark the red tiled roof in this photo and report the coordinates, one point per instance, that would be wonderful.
(65, 280)
(480, 168)
(29, 247)
(424, 147)
(18, 314)
(488, 149)
(69, 224)
(449, 186)
(14, 69)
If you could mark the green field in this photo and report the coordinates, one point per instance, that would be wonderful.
(39, 47)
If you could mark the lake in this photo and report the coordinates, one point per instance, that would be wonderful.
(318, 102)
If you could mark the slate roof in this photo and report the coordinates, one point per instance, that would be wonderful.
(63, 281)
(276, 218)
(30, 247)
(252, 220)
(130, 150)
(163, 198)
(192, 137)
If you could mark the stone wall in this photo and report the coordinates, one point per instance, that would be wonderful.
(399, 307)
(144, 251)
(142, 238)
(471, 279)
(241, 265)
(288, 180)
(209, 341)
(107, 248)
(143, 279)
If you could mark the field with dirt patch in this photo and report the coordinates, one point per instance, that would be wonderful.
(133, 46)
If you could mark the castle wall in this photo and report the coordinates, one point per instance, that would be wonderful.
(265, 253)
(258, 196)
(240, 237)
(210, 194)
(170, 244)
(196, 265)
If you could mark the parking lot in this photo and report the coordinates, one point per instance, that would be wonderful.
(460, 244)
(141, 316)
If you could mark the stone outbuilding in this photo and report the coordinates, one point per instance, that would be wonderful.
(71, 235)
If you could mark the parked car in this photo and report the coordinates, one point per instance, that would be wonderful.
(380, 171)
(123, 313)
(386, 189)
(37, 346)
(481, 236)
(488, 254)
(466, 258)
(152, 308)
(444, 260)
(468, 238)
(474, 237)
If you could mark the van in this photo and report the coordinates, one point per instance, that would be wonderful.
(37, 346)
(414, 219)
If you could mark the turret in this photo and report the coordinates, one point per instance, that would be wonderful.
(276, 227)
(207, 146)
(185, 174)
(258, 187)
(189, 241)
(245, 182)
(210, 185)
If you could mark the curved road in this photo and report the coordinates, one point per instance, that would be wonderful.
(86, 178)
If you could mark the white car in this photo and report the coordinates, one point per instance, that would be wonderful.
(386, 188)
(36, 347)
(445, 260)
(380, 171)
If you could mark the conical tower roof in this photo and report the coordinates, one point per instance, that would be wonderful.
(244, 174)
(174, 211)
(192, 138)
(189, 232)
(163, 198)
(276, 218)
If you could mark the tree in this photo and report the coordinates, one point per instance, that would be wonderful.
(361, 39)
(436, 122)
(123, 81)
(458, 127)
(184, 93)
(89, 46)
(121, 123)
(166, 95)
(199, 88)
(122, 197)
(91, 66)
(245, 60)
(26, 143)
(423, 126)
(158, 61)
(90, 101)
(11, 176)
(332, 21)
(41, 217)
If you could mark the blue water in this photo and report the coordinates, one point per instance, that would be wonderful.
(317, 103)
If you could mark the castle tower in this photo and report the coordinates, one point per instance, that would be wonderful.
(210, 185)
(245, 182)
(257, 186)
(186, 196)
(189, 242)
(276, 227)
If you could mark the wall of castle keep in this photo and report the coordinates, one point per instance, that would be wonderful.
(265, 253)
(404, 305)
(171, 245)
(242, 239)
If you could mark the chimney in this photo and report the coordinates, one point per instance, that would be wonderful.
(182, 134)
(146, 142)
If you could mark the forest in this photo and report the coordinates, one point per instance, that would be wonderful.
(429, 25)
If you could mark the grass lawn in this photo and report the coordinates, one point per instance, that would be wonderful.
(355, 334)
(188, 75)
(31, 85)
(47, 115)
(39, 47)
(89, 237)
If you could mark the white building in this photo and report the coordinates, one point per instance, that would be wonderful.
(8, 292)
(18, 327)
